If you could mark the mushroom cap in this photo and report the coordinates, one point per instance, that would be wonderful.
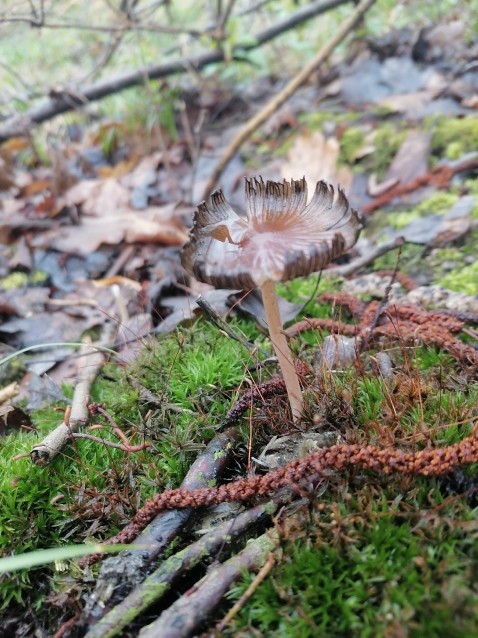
(281, 237)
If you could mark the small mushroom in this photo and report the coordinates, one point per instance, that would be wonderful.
(281, 237)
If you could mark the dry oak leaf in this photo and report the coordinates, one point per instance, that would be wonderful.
(312, 155)
(107, 218)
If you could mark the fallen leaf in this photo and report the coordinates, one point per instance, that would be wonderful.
(315, 157)
(158, 225)
(13, 418)
(411, 159)
(98, 197)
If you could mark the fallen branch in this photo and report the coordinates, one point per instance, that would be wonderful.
(188, 613)
(43, 453)
(261, 575)
(157, 584)
(290, 88)
(349, 269)
(65, 101)
(120, 574)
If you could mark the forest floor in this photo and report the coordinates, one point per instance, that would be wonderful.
(91, 230)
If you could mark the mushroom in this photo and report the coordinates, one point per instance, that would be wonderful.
(281, 237)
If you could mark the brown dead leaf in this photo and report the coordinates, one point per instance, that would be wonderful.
(118, 170)
(145, 172)
(14, 145)
(34, 187)
(153, 225)
(315, 157)
(411, 159)
(98, 197)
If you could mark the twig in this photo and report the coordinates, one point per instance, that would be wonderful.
(122, 573)
(9, 391)
(157, 584)
(188, 612)
(117, 446)
(62, 103)
(349, 269)
(260, 576)
(291, 87)
(43, 453)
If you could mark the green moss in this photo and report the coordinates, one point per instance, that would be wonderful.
(438, 204)
(453, 137)
(360, 587)
(377, 575)
(315, 120)
(14, 280)
(193, 374)
(352, 140)
(387, 141)
(19, 279)
(463, 279)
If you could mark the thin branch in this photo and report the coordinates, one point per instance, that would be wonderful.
(159, 583)
(64, 102)
(290, 88)
(45, 452)
(191, 609)
(349, 269)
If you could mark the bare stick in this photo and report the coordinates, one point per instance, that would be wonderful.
(43, 453)
(349, 269)
(157, 584)
(120, 574)
(188, 612)
(289, 89)
(65, 101)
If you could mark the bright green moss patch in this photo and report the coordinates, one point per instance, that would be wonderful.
(19, 279)
(453, 137)
(193, 373)
(463, 279)
(375, 574)
(387, 141)
(351, 141)
(438, 204)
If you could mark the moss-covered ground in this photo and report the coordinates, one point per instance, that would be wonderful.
(372, 556)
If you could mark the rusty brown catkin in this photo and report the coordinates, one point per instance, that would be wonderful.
(429, 462)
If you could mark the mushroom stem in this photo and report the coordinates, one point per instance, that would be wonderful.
(281, 348)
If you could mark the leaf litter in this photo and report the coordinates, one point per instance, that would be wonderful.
(74, 223)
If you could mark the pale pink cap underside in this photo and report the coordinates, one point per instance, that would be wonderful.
(282, 237)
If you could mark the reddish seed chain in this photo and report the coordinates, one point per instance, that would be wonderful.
(430, 462)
